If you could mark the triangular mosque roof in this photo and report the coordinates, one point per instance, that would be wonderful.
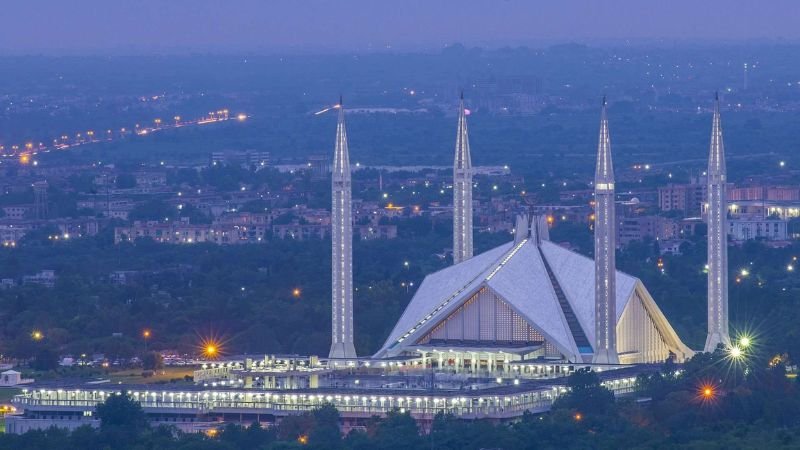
(517, 273)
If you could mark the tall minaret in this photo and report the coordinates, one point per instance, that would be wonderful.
(462, 191)
(342, 238)
(717, 239)
(605, 270)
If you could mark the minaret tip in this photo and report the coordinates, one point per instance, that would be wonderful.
(604, 100)
(462, 94)
(716, 96)
(341, 103)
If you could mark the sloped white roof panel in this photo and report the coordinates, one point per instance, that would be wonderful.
(575, 274)
(523, 282)
(442, 285)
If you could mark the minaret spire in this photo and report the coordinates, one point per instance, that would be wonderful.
(717, 238)
(605, 270)
(462, 191)
(342, 248)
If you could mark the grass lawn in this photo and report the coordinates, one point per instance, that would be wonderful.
(7, 393)
(134, 376)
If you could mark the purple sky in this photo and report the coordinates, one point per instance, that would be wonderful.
(234, 25)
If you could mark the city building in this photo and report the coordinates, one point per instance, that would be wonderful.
(17, 212)
(245, 159)
(630, 229)
(744, 229)
(46, 278)
(13, 378)
(300, 231)
(12, 231)
(183, 232)
(369, 232)
(769, 193)
(688, 199)
(150, 179)
(320, 166)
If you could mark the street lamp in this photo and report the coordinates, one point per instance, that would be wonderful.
(146, 336)
(744, 342)
(210, 348)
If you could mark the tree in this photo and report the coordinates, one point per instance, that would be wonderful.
(126, 181)
(325, 435)
(152, 210)
(585, 395)
(46, 359)
(152, 361)
(122, 412)
(398, 432)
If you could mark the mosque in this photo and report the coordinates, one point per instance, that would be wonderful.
(492, 336)
(529, 299)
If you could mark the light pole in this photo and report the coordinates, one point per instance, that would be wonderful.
(146, 336)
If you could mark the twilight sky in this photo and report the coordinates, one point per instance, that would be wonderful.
(86, 26)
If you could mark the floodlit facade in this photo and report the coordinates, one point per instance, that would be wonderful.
(529, 299)
(200, 410)
(342, 247)
(717, 239)
(462, 191)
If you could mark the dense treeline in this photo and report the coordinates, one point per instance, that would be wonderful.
(245, 295)
(242, 295)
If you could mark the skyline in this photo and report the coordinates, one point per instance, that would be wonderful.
(247, 26)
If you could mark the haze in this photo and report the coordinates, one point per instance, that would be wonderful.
(87, 26)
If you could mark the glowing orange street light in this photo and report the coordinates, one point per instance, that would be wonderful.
(296, 292)
(707, 393)
(303, 439)
(578, 417)
(37, 335)
(146, 336)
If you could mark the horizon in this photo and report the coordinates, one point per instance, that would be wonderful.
(249, 26)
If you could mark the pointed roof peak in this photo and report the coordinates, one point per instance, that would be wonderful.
(341, 158)
(463, 159)
(716, 157)
(604, 170)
